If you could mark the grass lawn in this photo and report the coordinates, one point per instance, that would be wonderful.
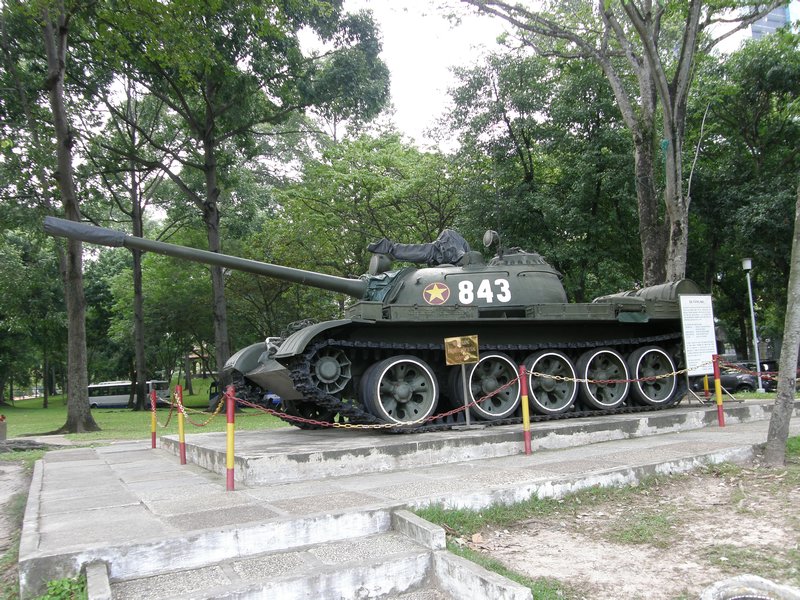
(27, 417)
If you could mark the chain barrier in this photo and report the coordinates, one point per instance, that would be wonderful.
(318, 423)
(614, 381)
(307, 421)
(169, 416)
(174, 404)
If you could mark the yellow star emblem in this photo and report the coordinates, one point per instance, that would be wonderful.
(436, 293)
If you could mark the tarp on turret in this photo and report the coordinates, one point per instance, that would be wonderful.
(448, 248)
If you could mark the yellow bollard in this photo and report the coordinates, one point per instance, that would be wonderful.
(181, 417)
(526, 412)
(718, 391)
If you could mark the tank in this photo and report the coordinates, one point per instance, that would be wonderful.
(384, 362)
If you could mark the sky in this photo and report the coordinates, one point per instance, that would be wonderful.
(419, 47)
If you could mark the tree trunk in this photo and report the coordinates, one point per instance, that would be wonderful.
(211, 218)
(46, 381)
(652, 233)
(187, 369)
(784, 404)
(79, 416)
(677, 208)
(138, 300)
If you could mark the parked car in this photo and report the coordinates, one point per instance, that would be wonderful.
(733, 379)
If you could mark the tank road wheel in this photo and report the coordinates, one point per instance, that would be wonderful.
(548, 395)
(400, 389)
(330, 370)
(597, 366)
(307, 410)
(652, 361)
(490, 373)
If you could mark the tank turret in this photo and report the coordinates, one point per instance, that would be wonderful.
(384, 361)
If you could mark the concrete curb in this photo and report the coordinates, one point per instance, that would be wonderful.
(452, 574)
(423, 532)
(560, 487)
(98, 586)
(463, 579)
(749, 586)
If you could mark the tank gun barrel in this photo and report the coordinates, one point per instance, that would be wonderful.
(110, 237)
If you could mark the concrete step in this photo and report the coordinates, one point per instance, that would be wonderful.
(380, 566)
(408, 562)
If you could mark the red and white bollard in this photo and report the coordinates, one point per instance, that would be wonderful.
(181, 418)
(153, 418)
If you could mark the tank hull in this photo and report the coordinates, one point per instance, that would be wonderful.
(569, 331)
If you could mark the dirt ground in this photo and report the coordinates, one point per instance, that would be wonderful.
(669, 541)
(13, 480)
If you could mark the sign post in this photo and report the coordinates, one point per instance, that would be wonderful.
(462, 351)
(699, 337)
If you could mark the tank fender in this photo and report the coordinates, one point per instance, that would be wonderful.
(296, 343)
(246, 359)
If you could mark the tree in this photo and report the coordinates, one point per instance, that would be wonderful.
(744, 184)
(131, 183)
(545, 160)
(362, 190)
(784, 404)
(55, 23)
(224, 70)
(647, 51)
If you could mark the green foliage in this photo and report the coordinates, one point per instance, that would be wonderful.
(360, 191)
(27, 417)
(32, 313)
(734, 559)
(743, 195)
(655, 529)
(466, 522)
(547, 163)
(66, 589)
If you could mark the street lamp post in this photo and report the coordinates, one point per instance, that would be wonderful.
(747, 264)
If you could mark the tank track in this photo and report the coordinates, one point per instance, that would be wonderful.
(350, 411)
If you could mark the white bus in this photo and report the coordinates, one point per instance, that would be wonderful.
(115, 394)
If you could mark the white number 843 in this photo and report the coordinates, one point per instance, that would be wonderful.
(487, 291)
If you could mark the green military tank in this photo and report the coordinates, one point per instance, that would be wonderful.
(384, 362)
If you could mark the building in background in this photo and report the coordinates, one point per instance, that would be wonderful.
(780, 17)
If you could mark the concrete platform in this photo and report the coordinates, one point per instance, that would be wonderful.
(290, 455)
(140, 519)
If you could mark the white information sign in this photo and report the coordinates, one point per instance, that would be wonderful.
(699, 340)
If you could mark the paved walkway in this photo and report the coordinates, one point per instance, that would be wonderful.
(140, 511)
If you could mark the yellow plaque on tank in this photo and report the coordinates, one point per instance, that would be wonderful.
(461, 350)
